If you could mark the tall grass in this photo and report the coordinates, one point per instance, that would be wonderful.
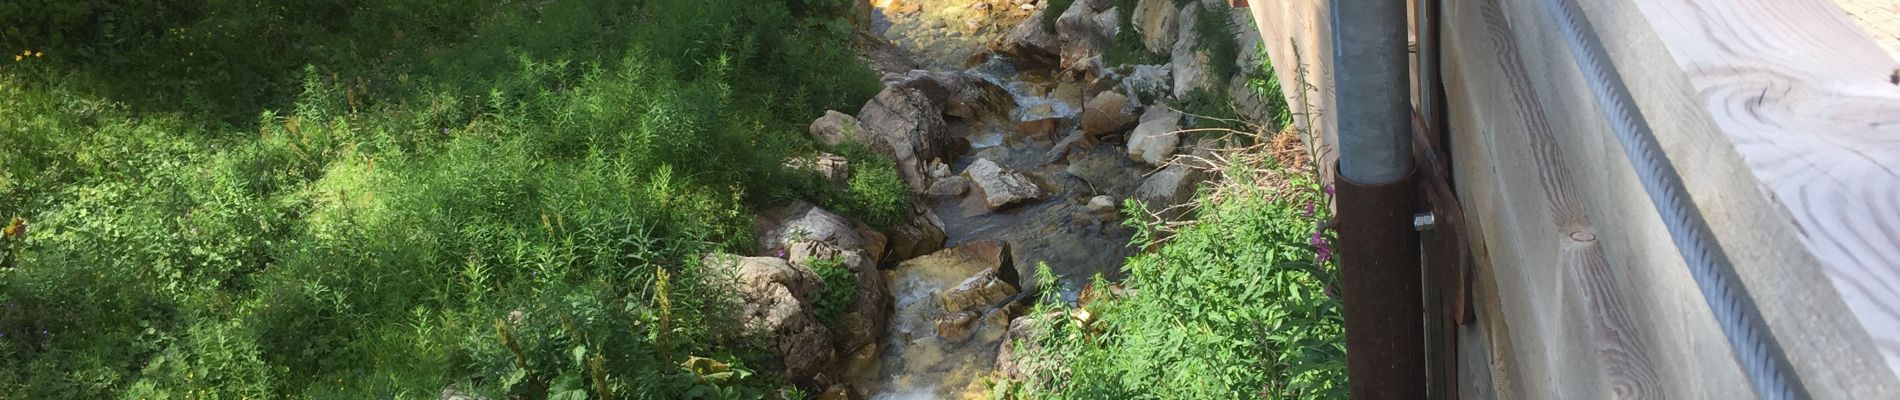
(504, 198)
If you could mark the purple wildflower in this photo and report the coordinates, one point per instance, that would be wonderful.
(1323, 248)
(1329, 190)
(1309, 210)
(781, 253)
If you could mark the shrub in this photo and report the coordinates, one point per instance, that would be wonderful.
(1232, 306)
(836, 298)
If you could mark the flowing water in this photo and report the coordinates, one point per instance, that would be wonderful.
(1057, 230)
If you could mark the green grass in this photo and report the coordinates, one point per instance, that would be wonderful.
(388, 199)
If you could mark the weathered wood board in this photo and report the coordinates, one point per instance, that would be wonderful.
(1781, 117)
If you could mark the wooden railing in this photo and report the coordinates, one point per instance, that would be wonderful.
(1783, 120)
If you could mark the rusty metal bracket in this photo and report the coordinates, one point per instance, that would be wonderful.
(1449, 220)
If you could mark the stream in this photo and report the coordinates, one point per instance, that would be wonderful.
(1062, 230)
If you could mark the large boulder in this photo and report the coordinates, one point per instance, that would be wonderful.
(870, 307)
(1107, 114)
(957, 93)
(1029, 44)
(905, 125)
(1158, 21)
(777, 311)
(1001, 186)
(1189, 63)
(1086, 33)
(1154, 140)
(835, 128)
(779, 228)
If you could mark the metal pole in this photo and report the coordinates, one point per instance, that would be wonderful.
(1378, 195)
(1372, 82)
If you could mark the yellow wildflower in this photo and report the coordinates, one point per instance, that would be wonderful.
(16, 58)
(38, 54)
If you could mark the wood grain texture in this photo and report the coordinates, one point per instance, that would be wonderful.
(1784, 123)
(1806, 97)
(1297, 35)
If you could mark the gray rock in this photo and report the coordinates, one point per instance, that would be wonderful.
(1020, 356)
(1149, 81)
(1158, 21)
(1172, 186)
(954, 186)
(1189, 64)
(835, 128)
(1155, 140)
(920, 235)
(957, 93)
(1107, 114)
(1086, 32)
(780, 228)
(1029, 43)
(1101, 204)
(906, 126)
(870, 300)
(777, 311)
(1002, 187)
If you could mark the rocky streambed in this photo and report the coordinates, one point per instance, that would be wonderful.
(1020, 148)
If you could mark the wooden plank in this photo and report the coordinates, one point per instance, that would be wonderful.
(1881, 20)
(1615, 317)
(1790, 99)
(1298, 37)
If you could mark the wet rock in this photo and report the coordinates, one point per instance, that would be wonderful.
(1039, 128)
(779, 228)
(777, 311)
(903, 124)
(984, 291)
(1189, 63)
(954, 186)
(1170, 187)
(1086, 32)
(835, 128)
(1107, 114)
(920, 235)
(1158, 21)
(832, 168)
(1000, 186)
(958, 327)
(1154, 140)
(993, 255)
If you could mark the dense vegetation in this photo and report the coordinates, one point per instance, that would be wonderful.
(376, 199)
(1232, 306)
